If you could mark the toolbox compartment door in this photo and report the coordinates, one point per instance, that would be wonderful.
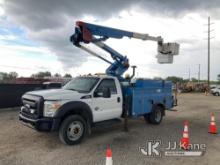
(141, 102)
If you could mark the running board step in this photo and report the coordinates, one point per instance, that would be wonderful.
(107, 123)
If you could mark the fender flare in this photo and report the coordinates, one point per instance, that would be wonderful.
(75, 107)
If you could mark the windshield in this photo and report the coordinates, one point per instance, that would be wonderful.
(81, 84)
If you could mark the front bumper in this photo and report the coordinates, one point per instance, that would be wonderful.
(42, 124)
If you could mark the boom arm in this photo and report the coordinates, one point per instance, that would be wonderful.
(90, 33)
(88, 30)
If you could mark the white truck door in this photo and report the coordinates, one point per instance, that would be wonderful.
(107, 108)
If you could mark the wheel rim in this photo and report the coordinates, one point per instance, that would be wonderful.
(75, 130)
(158, 115)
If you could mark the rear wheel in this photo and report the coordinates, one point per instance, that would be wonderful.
(156, 116)
(72, 130)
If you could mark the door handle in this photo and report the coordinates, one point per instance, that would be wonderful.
(118, 99)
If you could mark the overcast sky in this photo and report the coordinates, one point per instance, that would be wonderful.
(34, 35)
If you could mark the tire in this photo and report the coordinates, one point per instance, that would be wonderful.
(72, 130)
(147, 118)
(217, 94)
(156, 116)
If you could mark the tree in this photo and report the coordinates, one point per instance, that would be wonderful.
(218, 77)
(175, 79)
(57, 75)
(41, 74)
(13, 75)
(194, 80)
(3, 77)
(6, 77)
(158, 78)
(67, 75)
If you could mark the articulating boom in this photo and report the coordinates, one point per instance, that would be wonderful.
(90, 33)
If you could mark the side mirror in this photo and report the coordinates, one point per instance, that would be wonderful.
(106, 93)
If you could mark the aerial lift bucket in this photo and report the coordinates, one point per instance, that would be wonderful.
(166, 51)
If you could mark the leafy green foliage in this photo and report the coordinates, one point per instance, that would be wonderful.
(41, 74)
(67, 75)
(6, 77)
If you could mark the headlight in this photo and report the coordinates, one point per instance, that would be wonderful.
(50, 108)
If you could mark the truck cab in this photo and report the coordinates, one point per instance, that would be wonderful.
(91, 98)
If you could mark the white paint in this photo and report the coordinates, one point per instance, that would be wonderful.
(108, 108)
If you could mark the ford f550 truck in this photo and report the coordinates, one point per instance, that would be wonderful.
(89, 100)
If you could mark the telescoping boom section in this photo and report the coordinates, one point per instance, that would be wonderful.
(90, 33)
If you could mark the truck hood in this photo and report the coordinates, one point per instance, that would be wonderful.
(57, 94)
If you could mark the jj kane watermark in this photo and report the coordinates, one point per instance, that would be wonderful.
(157, 148)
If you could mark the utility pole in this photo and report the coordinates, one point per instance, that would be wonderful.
(189, 74)
(209, 38)
(199, 75)
(208, 53)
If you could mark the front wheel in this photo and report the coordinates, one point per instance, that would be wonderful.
(156, 116)
(72, 130)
